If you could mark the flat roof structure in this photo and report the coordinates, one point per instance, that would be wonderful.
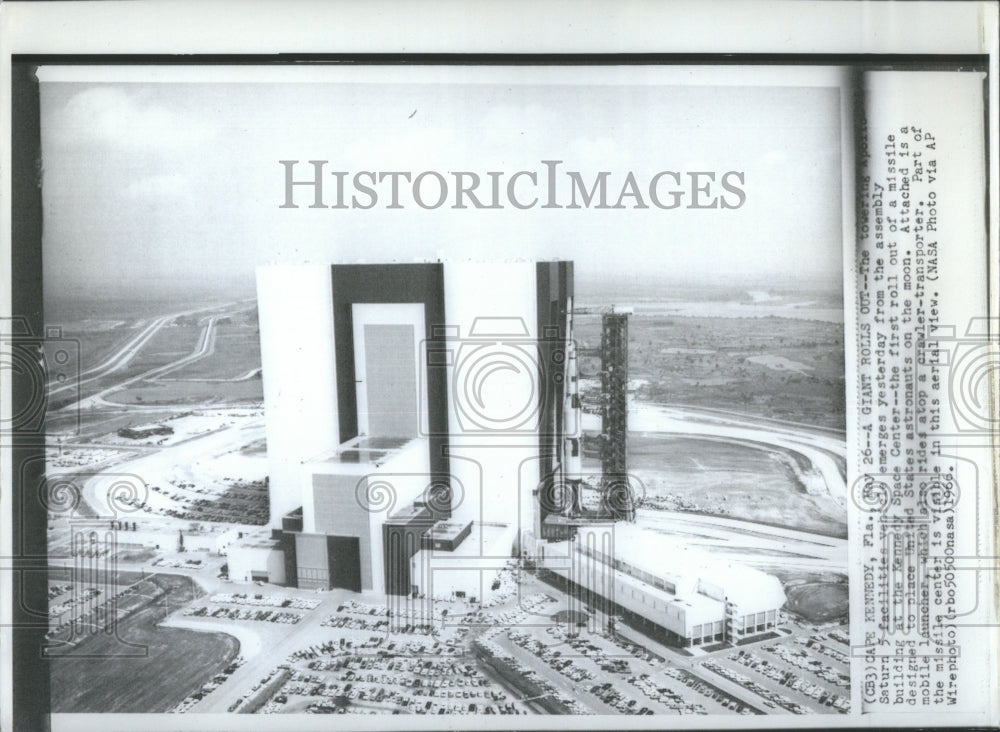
(370, 452)
(260, 539)
(374, 428)
(447, 530)
(689, 570)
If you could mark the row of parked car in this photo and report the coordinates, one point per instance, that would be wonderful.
(707, 690)
(819, 643)
(770, 698)
(260, 600)
(802, 660)
(666, 696)
(209, 686)
(230, 613)
(791, 679)
(613, 697)
(554, 659)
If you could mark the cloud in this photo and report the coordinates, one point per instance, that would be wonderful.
(114, 116)
(158, 187)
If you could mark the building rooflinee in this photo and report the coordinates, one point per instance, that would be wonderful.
(400, 395)
(416, 414)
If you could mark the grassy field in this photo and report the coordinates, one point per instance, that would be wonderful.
(178, 661)
(171, 342)
(95, 341)
(818, 602)
(729, 479)
(203, 393)
(101, 329)
(237, 351)
(704, 362)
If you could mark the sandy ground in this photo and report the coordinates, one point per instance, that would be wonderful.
(177, 462)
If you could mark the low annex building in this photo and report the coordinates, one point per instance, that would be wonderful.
(686, 596)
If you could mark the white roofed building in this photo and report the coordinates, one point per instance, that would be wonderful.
(404, 401)
(688, 596)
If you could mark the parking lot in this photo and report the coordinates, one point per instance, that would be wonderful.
(528, 649)
(802, 671)
(608, 676)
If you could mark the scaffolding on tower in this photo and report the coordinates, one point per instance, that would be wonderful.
(617, 497)
(561, 500)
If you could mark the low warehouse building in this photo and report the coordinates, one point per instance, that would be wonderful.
(686, 596)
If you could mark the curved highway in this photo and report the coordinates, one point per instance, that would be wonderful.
(748, 542)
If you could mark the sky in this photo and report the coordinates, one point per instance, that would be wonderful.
(156, 184)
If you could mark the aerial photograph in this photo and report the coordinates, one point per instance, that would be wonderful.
(392, 457)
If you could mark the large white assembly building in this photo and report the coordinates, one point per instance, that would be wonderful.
(415, 414)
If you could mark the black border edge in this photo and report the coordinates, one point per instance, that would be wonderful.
(30, 682)
(873, 61)
(29, 597)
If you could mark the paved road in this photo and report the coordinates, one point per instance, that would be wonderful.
(129, 350)
(690, 664)
(822, 450)
(204, 348)
(746, 541)
(751, 543)
(156, 467)
(119, 359)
